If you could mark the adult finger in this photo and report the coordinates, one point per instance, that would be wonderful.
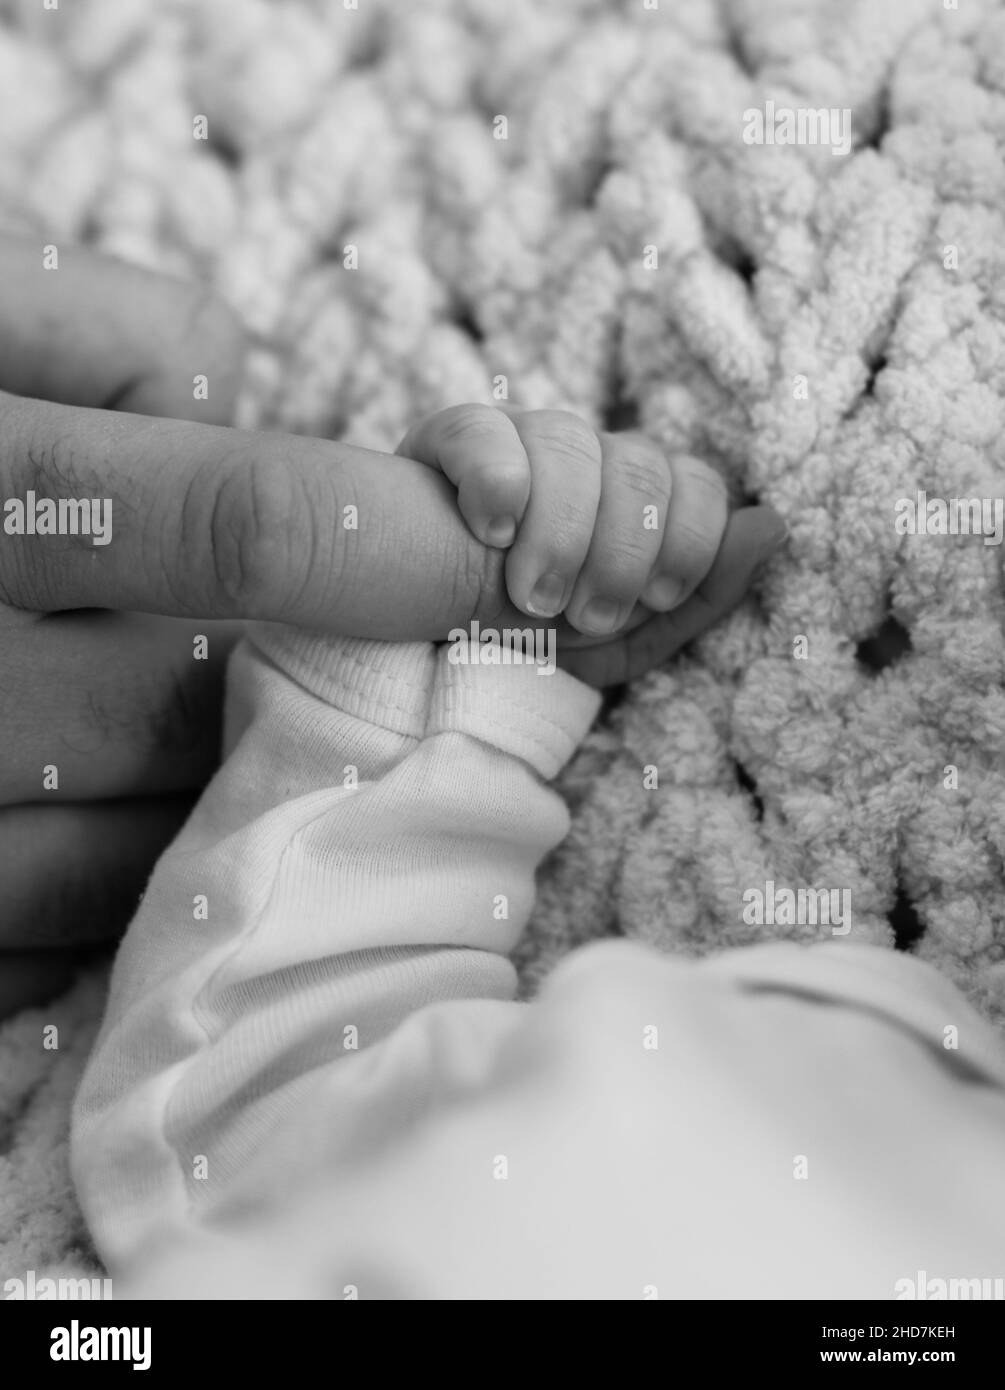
(199, 520)
(32, 978)
(91, 330)
(72, 875)
(118, 704)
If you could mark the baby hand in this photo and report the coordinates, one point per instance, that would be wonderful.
(595, 524)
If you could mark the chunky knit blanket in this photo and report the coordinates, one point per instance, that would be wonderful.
(418, 203)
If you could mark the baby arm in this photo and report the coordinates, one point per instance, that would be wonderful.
(368, 848)
(365, 854)
(312, 1082)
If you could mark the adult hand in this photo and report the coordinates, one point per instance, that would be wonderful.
(109, 724)
(207, 523)
(113, 701)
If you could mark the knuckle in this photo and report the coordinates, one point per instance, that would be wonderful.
(468, 422)
(564, 550)
(641, 469)
(566, 435)
(700, 535)
(247, 514)
(702, 477)
(691, 551)
(620, 574)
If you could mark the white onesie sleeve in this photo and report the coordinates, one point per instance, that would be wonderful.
(313, 1082)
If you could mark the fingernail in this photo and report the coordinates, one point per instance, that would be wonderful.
(500, 531)
(600, 616)
(547, 596)
(663, 593)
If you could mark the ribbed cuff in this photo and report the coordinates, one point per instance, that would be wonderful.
(417, 690)
(537, 715)
(383, 683)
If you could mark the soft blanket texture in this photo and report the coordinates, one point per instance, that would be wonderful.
(802, 325)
